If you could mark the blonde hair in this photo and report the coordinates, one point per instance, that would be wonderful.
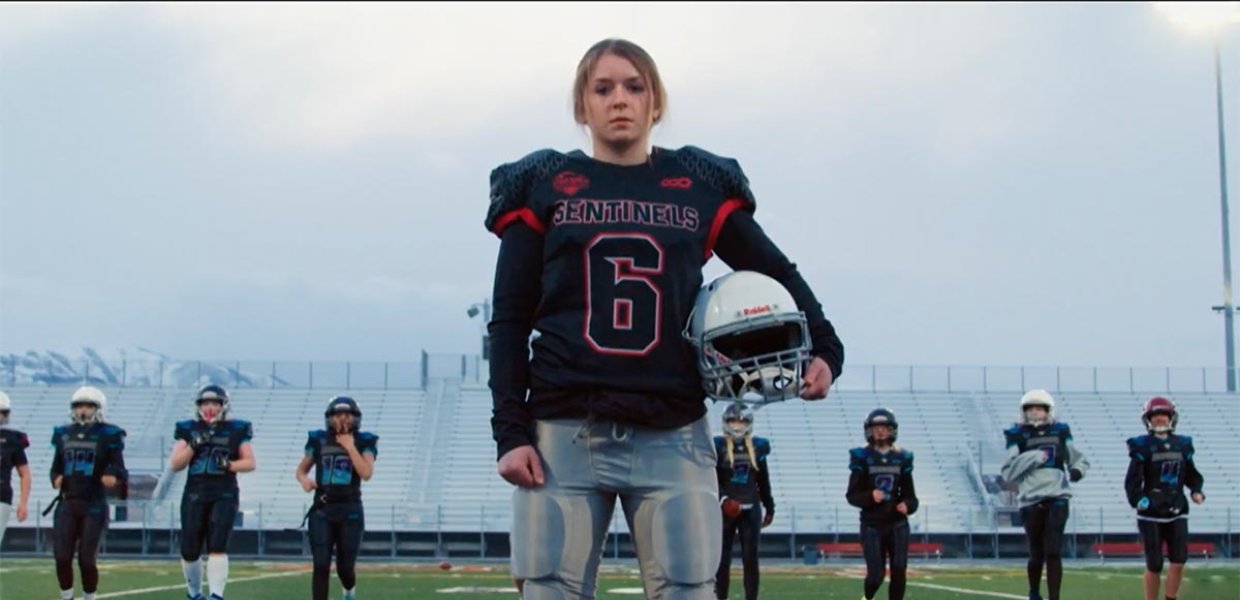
(630, 52)
(753, 461)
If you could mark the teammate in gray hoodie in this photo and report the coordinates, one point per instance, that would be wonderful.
(1041, 462)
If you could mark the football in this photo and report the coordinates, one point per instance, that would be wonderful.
(445, 566)
(731, 508)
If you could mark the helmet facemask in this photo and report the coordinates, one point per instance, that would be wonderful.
(738, 421)
(79, 412)
(756, 361)
(346, 405)
(212, 411)
(1160, 406)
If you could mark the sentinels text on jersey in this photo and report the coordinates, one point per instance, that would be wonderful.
(624, 251)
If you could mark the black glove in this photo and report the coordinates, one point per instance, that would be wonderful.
(220, 461)
(1075, 475)
(200, 438)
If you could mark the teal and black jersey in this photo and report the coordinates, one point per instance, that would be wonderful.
(335, 476)
(84, 454)
(1159, 469)
(1052, 440)
(891, 472)
(738, 479)
(220, 444)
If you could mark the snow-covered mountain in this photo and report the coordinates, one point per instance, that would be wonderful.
(138, 367)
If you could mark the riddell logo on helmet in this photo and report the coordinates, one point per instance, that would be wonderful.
(757, 310)
(570, 183)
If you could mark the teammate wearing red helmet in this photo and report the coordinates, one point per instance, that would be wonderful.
(1161, 466)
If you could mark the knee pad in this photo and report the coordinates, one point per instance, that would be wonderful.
(538, 536)
(1154, 564)
(217, 544)
(542, 590)
(686, 535)
(189, 553)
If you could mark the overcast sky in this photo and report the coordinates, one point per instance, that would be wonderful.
(1027, 184)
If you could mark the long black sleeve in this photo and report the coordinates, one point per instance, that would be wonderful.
(744, 246)
(1134, 482)
(764, 488)
(908, 494)
(58, 461)
(860, 494)
(517, 290)
(1192, 477)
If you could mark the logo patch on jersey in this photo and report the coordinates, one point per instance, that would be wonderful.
(570, 183)
(679, 183)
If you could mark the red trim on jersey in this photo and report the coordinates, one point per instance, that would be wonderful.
(716, 224)
(526, 215)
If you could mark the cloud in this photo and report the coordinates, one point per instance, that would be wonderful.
(326, 77)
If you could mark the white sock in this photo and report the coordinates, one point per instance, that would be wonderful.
(217, 573)
(350, 593)
(88, 596)
(193, 576)
(66, 594)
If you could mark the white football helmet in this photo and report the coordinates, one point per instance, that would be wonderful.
(1041, 398)
(751, 340)
(88, 394)
(6, 405)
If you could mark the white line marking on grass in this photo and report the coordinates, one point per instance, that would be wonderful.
(947, 588)
(181, 586)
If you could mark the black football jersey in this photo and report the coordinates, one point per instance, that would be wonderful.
(84, 454)
(13, 444)
(334, 472)
(623, 256)
(223, 438)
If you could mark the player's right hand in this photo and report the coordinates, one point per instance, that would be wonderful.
(308, 485)
(56, 481)
(199, 439)
(879, 495)
(1143, 504)
(522, 467)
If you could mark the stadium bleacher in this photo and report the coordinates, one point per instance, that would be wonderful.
(436, 467)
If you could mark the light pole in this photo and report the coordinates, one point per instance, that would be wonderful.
(1228, 310)
(1211, 17)
(483, 308)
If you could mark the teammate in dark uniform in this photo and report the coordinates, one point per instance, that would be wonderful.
(215, 448)
(744, 494)
(343, 457)
(88, 459)
(603, 255)
(1042, 462)
(881, 485)
(13, 444)
(1161, 466)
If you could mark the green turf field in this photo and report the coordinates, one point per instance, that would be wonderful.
(31, 579)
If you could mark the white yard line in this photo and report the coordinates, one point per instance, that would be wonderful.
(181, 586)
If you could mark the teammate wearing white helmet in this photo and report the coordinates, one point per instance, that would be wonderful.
(89, 459)
(1042, 461)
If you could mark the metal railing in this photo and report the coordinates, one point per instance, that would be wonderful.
(32, 370)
